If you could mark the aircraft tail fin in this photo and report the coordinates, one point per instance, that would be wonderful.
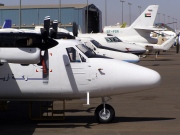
(7, 24)
(147, 18)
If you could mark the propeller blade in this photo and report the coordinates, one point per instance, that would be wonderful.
(47, 24)
(54, 30)
(55, 25)
(75, 29)
(45, 64)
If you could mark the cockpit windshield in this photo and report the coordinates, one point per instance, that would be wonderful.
(112, 39)
(86, 51)
(97, 44)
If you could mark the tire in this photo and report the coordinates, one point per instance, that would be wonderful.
(108, 117)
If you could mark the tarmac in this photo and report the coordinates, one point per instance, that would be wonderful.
(151, 112)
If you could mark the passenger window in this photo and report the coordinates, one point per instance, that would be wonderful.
(73, 55)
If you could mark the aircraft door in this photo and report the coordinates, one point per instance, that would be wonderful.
(77, 66)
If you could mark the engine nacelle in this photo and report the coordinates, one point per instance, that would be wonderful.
(20, 55)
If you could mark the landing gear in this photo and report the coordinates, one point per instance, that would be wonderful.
(104, 113)
(157, 53)
(3, 105)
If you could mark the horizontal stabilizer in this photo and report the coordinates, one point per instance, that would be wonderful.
(149, 28)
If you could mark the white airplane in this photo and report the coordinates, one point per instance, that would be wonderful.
(113, 43)
(139, 32)
(101, 50)
(140, 29)
(108, 41)
(114, 49)
(68, 71)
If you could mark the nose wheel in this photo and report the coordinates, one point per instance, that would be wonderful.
(104, 113)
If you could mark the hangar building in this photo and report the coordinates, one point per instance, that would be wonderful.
(32, 16)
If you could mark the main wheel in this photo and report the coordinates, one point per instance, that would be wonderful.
(106, 117)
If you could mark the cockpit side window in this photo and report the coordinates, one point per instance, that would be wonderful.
(82, 58)
(89, 45)
(112, 39)
(108, 40)
(97, 44)
(73, 55)
(116, 39)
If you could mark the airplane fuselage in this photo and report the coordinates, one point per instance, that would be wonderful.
(67, 79)
(131, 35)
(114, 43)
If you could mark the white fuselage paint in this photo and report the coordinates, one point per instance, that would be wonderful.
(128, 57)
(121, 46)
(68, 80)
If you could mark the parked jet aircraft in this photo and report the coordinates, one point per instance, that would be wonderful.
(68, 71)
(108, 41)
(101, 50)
(139, 31)
(111, 42)
(108, 51)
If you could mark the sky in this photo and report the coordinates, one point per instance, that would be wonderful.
(114, 9)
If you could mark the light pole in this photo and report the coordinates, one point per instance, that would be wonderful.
(164, 18)
(176, 23)
(122, 9)
(159, 17)
(19, 14)
(87, 18)
(129, 13)
(139, 9)
(59, 11)
(169, 20)
(173, 23)
(105, 12)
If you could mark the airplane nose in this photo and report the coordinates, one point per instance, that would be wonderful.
(146, 78)
(122, 77)
(149, 78)
(132, 58)
(136, 49)
(136, 78)
(136, 58)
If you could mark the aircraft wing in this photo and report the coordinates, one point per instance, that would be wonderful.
(149, 28)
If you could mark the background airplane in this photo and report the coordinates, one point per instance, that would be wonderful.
(139, 32)
(111, 42)
(140, 29)
(101, 50)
